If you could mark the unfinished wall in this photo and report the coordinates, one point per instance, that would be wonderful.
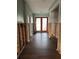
(28, 13)
(23, 27)
(51, 23)
(51, 28)
(55, 26)
(29, 28)
(20, 26)
(58, 34)
(59, 29)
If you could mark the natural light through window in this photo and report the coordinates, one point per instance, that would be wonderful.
(44, 24)
(38, 24)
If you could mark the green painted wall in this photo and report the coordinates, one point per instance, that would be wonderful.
(23, 11)
(20, 9)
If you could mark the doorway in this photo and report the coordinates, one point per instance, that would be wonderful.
(41, 24)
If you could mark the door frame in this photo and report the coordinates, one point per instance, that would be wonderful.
(41, 24)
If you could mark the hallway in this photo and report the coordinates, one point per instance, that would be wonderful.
(40, 47)
(34, 19)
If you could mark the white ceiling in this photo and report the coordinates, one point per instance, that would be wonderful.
(40, 6)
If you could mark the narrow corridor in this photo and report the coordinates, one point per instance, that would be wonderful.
(40, 47)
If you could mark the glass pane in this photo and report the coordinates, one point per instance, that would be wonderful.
(44, 24)
(38, 24)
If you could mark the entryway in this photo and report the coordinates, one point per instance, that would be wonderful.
(41, 24)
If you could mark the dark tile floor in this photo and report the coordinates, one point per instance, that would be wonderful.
(40, 47)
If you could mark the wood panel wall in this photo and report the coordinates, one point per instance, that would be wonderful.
(21, 36)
